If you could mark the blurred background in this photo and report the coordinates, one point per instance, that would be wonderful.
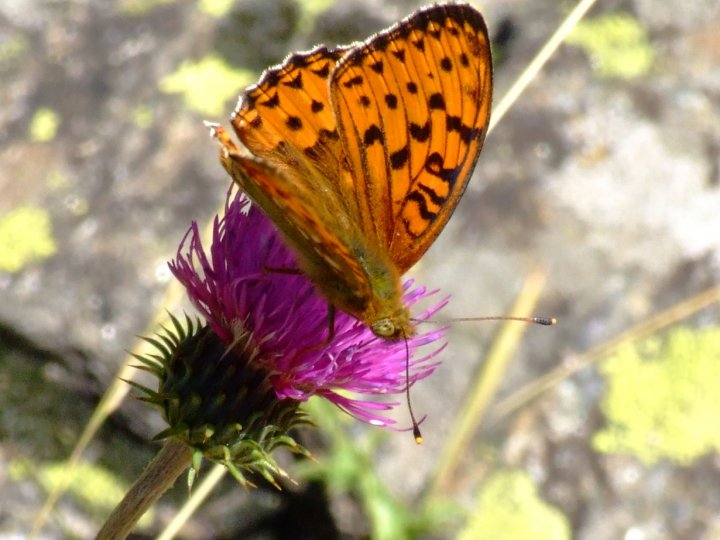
(596, 200)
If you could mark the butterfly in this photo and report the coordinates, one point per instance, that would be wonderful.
(359, 154)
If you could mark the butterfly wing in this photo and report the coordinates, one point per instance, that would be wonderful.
(293, 169)
(291, 206)
(286, 120)
(412, 106)
(360, 154)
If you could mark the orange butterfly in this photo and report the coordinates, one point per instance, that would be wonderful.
(360, 154)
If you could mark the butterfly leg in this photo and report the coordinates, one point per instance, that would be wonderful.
(330, 323)
(281, 270)
(331, 332)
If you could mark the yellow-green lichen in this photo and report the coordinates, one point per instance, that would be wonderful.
(140, 7)
(142, 116)
(309, 12)
(215, 8)
(206, 85)
(510, 508)
(12, 48)
(617, 44)
(25, 236)
(57, 180)
(44, 125)
(663, 398)
(92, 486)
(78, 206)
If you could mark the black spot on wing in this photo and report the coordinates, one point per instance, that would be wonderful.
(399, 159)
(434, 165)
(372, 135)
(329, 134)
(430, 193)
(422, 206)
(467, 133)
(355, 81)
(271, 102)
(294, 123)
(323, 71)
(295, 82)
(420, 133)
(436, 101)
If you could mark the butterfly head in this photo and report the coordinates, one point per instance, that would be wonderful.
(394, 327)
(385, 328)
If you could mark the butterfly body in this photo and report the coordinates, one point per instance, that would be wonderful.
(360, 154)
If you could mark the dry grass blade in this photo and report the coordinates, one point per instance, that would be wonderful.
(486, 384)
(662, 320)
(536, 64)
(198, 496)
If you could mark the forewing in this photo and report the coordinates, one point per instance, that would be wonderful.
(324, 257)
(412, 106)
(287, 121)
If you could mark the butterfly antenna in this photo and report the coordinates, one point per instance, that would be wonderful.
(545, 321)
(416, 426)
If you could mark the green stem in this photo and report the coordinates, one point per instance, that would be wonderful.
(161, 473)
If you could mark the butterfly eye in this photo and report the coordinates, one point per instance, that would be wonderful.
(384, 328)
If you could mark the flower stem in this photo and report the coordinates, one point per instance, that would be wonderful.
(158, 476)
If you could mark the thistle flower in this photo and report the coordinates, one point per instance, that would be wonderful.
(237, 383)
(233, 288)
